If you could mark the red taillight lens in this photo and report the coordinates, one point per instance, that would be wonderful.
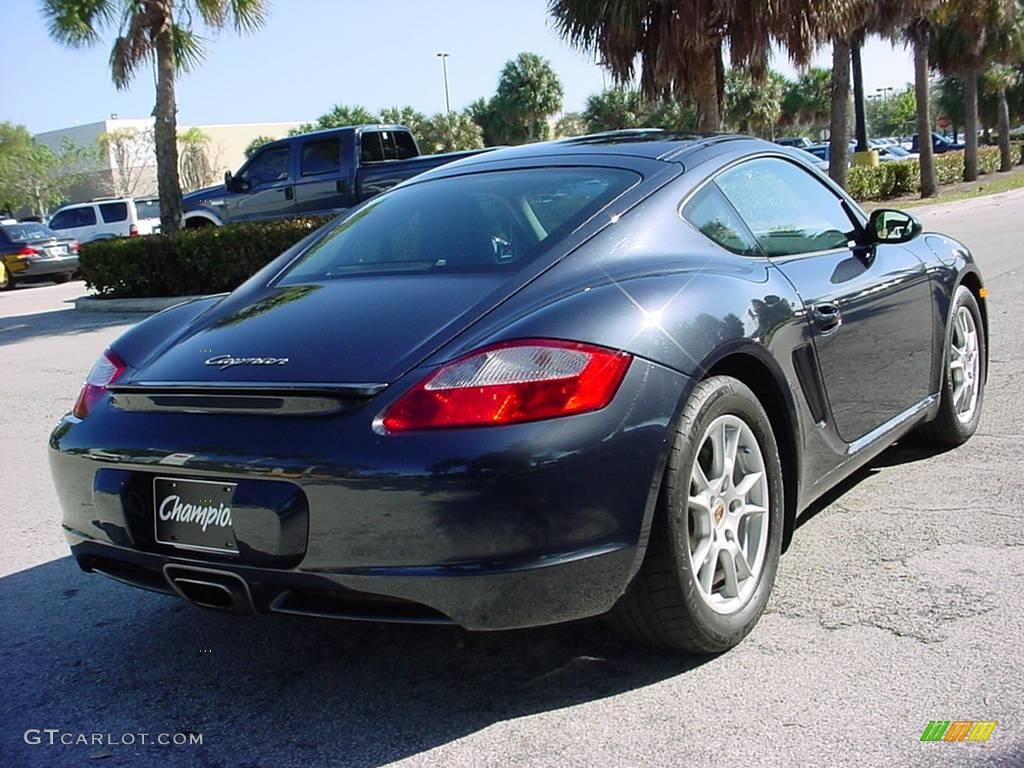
(512, 382)
(74, 246)
(133, 231)
(105, 372)
(28, 250)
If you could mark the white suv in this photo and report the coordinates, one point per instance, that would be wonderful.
(106, 218)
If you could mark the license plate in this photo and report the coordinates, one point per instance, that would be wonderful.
(56, 251)
(194, 514)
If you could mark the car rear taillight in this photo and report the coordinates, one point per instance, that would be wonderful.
(511, 382)
(74, 246)
(28, 251)
(133, 230)
(105, 372)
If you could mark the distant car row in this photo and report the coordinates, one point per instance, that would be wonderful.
(889, 149)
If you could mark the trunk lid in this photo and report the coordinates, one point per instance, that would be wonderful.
(367, 329)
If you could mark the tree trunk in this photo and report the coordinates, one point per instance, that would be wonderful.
(709, 119)
(971, 125)
(165, 133)
(840, 121)
(924, 127)
(1005, 156)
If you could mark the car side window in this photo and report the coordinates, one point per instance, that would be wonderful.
(405, 145)
(321, 156)
(113, 212)
(62, 220)
(268, 166)
(788, 210)
(371, 148)
(86, 216)
(711, 213)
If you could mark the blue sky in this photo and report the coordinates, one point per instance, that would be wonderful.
(314, 53)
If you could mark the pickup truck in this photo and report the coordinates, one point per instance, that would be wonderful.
(940, 144)
(313, 174)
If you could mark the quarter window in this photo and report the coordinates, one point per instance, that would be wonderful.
(786, 208)
(711, 213)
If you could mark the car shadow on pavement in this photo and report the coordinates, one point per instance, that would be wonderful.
(904, 452)
(60, 322)
(84, 654)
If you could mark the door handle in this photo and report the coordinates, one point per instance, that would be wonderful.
(289, 193)
(827, 317)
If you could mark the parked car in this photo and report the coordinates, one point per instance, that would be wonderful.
(824, 151)
(800, 142)
(808, 157)
(31, 252)
(314, 174)
(891, 152)
(940, 144)
(601, 375)
(106, 218)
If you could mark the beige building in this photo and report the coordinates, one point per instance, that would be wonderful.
(126, 165)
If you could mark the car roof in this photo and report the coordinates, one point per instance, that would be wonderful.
(647, 143)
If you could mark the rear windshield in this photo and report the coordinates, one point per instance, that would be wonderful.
(148, 209)
(488, 222)
(24, 233)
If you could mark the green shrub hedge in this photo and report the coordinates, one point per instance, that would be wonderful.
(195, 261)
(904, 178)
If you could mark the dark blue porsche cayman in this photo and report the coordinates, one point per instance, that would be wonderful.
(595, 376)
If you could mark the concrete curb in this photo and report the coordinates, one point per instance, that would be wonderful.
(95, 304)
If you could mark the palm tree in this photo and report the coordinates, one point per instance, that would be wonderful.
(152, 30)
(851, 24)
(528, 92)
(679, 43)
(999, 79)
(967, 36)
(918, 33)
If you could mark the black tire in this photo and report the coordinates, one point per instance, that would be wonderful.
(62, 278)
(947, 429)
(662, 605)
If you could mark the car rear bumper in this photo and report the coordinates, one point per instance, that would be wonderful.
(516, 526)
(43, 267)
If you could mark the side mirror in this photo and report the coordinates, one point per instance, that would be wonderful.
(231, 184)
(887, 225)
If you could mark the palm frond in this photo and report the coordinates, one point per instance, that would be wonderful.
(77, 23)
(123, 62)
(248, 15)
(189, 50)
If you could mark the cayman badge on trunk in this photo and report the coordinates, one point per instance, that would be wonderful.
(223, 362)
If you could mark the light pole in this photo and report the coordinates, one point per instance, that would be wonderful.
(444, 70)
(885, 92)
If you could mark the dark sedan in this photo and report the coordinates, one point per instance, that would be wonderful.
(30, 251)
(596, 376)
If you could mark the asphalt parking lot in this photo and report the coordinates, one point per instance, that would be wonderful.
(900, 601)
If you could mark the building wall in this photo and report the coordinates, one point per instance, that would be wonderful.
(225, 151)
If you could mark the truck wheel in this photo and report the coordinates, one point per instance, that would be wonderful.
(717, 532)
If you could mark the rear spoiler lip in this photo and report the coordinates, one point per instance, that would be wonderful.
(270, 388)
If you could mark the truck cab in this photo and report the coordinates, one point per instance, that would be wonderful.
(313, 174)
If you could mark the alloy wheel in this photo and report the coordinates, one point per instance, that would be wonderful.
(728, 514)
(964, 364)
